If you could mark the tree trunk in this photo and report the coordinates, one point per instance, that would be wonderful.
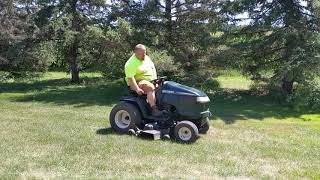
(73, 49)
(168, 17)
(287, 86)
(292, 41)
(73, 62)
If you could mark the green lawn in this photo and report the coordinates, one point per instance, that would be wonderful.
(52, 129)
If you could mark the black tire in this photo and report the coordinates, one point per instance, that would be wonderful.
(186, 132)
(125, 116)
(205, 127)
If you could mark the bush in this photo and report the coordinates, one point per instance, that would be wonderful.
(200, 75)
(210, 85)
(116, 50)
(40, 57)
(306, 98)
(164, 64)
(26, 55)
(4, 76)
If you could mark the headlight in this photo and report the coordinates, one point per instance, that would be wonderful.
(203, 99)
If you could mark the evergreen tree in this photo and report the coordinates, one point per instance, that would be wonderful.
(184, 28)
(282, 36)
(17, 37)
(65, 22)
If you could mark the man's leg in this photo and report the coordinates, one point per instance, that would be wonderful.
(149, 89)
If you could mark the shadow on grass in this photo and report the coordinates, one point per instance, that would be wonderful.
(62, 92)
(233, 105)
(227, 105)
(25, 87)
(39, 85)
(105, 131)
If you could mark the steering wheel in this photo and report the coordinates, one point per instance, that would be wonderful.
(159, 80)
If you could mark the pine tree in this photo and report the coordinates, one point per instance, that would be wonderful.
(18, 37)
(65, 22)
(184, 28)
(282, 36)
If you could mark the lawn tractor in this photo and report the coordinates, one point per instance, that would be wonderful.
(186, 113)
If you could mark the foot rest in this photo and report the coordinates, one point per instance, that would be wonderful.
(153, 133)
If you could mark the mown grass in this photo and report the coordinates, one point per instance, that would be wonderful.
(50, 128)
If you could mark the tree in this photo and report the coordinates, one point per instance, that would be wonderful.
(65, 22)
(107, 49)
(183, 28)
(18, 42)
(281, 36)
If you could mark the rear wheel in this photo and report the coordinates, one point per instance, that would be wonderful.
(124, 116)
(186, 132)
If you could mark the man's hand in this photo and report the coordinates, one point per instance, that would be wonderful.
(139, 91)
(133, 85)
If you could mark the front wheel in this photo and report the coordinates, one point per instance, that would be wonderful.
(124, 116)
(186, 132)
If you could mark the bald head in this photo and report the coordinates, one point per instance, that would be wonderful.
(140, 46)
(140, 51)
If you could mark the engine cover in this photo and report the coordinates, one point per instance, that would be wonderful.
(189, 102)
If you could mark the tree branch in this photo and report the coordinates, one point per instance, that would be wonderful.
(158, 2)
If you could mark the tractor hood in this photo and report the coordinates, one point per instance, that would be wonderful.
(170, 87)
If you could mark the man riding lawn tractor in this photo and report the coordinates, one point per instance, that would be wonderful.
(159, 107)
(140, 70)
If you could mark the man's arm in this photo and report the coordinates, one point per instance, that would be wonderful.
(154, 71)
(130, 71)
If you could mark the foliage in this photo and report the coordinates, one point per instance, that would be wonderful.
(164, 63)
(188, 40)
(18, 43)
(281, 37)
(65, 22)
(182, 28)
(210, 85)
(306, 98)
(4, 76)
(117, 50)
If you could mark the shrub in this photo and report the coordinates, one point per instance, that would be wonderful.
(306, 98)
(4, 76)
(164, 63)
(210, 85)
(25, 55)
(116, 50)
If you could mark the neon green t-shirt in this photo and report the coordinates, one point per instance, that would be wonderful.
(140, 70)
